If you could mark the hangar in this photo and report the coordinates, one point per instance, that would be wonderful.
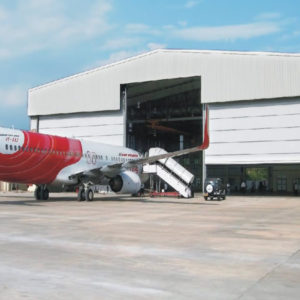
(157, 99)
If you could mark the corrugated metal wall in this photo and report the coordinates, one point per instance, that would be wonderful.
(105, 128)
(254, 132)
(225, 76)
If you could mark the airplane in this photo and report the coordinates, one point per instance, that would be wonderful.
(55, 163)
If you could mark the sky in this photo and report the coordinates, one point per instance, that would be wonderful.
(45, 40)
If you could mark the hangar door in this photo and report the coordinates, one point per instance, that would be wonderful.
(102, 127)
(254, 132)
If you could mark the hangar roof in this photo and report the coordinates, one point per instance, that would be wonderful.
(225, 76)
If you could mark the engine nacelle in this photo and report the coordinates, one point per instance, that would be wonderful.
(127, 182)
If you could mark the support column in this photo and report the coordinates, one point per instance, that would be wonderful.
(124, 108)
(203, 152)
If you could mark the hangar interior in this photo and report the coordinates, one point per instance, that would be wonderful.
(259, 179)
(166, 114)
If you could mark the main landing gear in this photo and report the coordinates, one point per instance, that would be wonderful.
(85, 193)
(41, 193)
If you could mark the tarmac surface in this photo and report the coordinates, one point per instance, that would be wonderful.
(118, 247)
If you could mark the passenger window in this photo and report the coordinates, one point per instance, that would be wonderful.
(19, 148)
(10, 147)
(6, 147)
(15, 147)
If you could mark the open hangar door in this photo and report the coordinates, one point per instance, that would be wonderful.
(167, 114)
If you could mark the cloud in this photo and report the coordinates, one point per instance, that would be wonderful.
(3, 14)
(268, 16)
(291, 35)
(137, 28)
(35, 25)
(154, 46)
(191, 3)
(182, 23)
(120, 43)
(228, 32)
(13, 97)
(114, 57)
(140, 28)
(124, 54)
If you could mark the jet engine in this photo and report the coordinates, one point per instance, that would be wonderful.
(127, 182)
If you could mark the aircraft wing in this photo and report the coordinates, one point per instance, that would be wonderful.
(96, 173)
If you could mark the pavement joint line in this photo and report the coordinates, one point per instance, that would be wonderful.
(267, 274)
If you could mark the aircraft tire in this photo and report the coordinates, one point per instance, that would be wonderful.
(81, 194)
(45, 194)
(89, 194)
(37, 193)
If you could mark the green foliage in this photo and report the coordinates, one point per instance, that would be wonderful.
(257, 174)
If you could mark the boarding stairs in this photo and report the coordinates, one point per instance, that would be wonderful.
(171, 172)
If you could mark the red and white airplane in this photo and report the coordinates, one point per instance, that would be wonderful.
(54, 163)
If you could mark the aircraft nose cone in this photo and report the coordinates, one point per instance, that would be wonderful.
(4, 143)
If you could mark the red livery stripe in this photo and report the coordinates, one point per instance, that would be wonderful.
(41, 158)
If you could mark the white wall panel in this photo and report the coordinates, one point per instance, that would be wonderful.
(101, 127)
(257, 135)
(34, 123)
(257, 122)
(254, 132)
